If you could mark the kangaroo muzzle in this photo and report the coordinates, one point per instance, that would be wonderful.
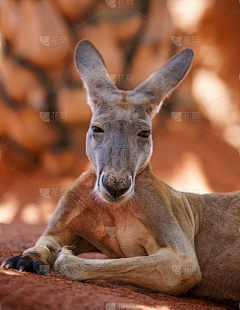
(114, 188)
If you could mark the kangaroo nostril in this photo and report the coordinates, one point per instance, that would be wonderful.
(109, 189)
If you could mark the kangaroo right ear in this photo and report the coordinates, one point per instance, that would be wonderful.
(163, 82)
(93, 72)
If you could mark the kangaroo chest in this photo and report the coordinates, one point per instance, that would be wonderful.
(116, 231)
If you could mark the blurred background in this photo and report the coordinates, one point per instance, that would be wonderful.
(44, 114)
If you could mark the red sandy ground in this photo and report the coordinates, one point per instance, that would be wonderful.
(30, 291)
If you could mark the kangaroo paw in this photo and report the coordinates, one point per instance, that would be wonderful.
(36, 260)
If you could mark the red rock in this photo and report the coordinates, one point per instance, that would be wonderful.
(59, 163)
(9, 20)
(74, 9)
(146, 62)
(25, 127)
(22, 85)
(103, 37)
(42, 34)
(73, 102)
(128, 28)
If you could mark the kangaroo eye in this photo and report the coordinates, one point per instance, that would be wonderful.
(144, 134)
(97, 129)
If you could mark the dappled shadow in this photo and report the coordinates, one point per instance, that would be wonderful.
(190, 156)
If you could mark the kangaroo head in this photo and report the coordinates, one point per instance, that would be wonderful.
(119, 141)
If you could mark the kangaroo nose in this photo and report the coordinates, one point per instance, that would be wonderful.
(112, 191)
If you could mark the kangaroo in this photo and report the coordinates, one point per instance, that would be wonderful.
(155, 237)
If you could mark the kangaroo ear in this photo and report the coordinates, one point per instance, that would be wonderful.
(93, 72)
(163, 82)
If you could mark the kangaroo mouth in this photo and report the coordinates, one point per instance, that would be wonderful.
(110, 198)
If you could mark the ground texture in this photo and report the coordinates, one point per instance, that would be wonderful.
(22, 290)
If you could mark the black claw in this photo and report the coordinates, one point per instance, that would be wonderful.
(38, 267)
(24, 264)
(11, 262)
(35, 267)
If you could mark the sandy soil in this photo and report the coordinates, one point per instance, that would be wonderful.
(30, 291)
(182, 158)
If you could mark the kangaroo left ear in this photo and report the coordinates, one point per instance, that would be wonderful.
(92, 69)
(164, 81)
